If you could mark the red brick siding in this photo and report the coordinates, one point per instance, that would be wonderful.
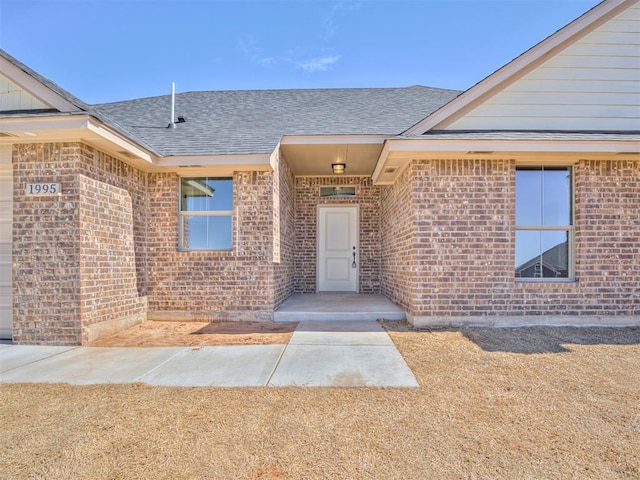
(108, 287)
(283, 231)
(397, 227)
(111, 171)
(307, 198)
(463, 215)
(209, 285)
(46, 253)
(49, 303)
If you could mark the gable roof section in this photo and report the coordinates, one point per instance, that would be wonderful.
(497, 95)
(253, 121)
(44, 90)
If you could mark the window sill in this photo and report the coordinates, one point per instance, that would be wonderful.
(229, 252)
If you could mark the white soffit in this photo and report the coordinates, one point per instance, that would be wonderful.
(312, 155)
(72, 128)
(399, 152)
(522, 65)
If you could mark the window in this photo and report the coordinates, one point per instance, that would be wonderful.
(337, 192)
(544, 223)
(206, 213)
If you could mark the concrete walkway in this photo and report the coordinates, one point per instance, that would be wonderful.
(319, 354)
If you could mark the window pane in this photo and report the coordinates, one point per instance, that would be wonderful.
(211, 233)
(555, 254)
(529, 197)
(556, 197)
(543, 196)
(206, 194)
(542, 254)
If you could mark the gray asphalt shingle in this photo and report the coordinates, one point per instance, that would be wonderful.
(253, 121)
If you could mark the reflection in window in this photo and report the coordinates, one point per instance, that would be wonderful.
(543, 222)
(206, 212)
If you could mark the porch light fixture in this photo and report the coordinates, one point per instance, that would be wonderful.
(338, 168)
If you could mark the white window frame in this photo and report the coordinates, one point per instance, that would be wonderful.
(182, 215)
(570, 229)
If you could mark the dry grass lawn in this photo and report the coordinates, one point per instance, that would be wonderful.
(529, 403)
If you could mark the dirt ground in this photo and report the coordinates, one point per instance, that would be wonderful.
(162, 334)
(527, 403)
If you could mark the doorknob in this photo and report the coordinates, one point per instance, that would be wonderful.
(354, 264)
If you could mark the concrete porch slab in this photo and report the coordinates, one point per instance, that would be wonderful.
(302, 307)
(229, 366)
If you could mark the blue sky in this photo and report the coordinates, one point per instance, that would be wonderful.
(109, 50)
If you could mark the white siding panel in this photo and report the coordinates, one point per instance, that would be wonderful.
(632, 13)
(574, 86)
(612, 38)
(584, 111)
(544, 123)
(593, 84)
(563, 98)
(6, 239)
(611, 74)
(593, 61)
(12, 97)
(604, 49)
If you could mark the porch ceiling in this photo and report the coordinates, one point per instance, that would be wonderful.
(313, 159)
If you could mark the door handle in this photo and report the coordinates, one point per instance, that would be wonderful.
(354, 264)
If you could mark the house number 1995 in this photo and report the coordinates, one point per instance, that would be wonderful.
(44, 189)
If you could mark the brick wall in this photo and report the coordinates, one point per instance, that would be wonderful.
(463, 215)
(209, 285)
(307, 198)
(50, 304)
(46, 253)
(398, 277)
(283, 231)
(109, 299)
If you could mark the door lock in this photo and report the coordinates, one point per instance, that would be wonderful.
(354, 264)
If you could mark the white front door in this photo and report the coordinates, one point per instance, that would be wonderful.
(338, 248)
(6, 239)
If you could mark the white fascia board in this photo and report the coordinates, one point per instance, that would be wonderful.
(40, 122)
(121, 142)
(35, 88)
(332, 139)
(384, 154)
(422, 146)
(260, 160)
(519, 66)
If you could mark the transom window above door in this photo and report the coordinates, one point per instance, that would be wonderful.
(206, 213)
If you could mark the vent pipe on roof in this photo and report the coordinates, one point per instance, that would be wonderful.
(173, 106)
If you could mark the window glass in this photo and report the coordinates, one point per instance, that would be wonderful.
(543, 222)
(206, 213)
(542, 254)
(543, 197)
(206, 232)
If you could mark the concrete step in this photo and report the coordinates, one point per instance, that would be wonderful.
(337, 307)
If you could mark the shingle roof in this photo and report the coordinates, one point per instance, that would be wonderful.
(253, 121)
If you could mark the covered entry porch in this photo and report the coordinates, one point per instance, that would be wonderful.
(332, 307)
